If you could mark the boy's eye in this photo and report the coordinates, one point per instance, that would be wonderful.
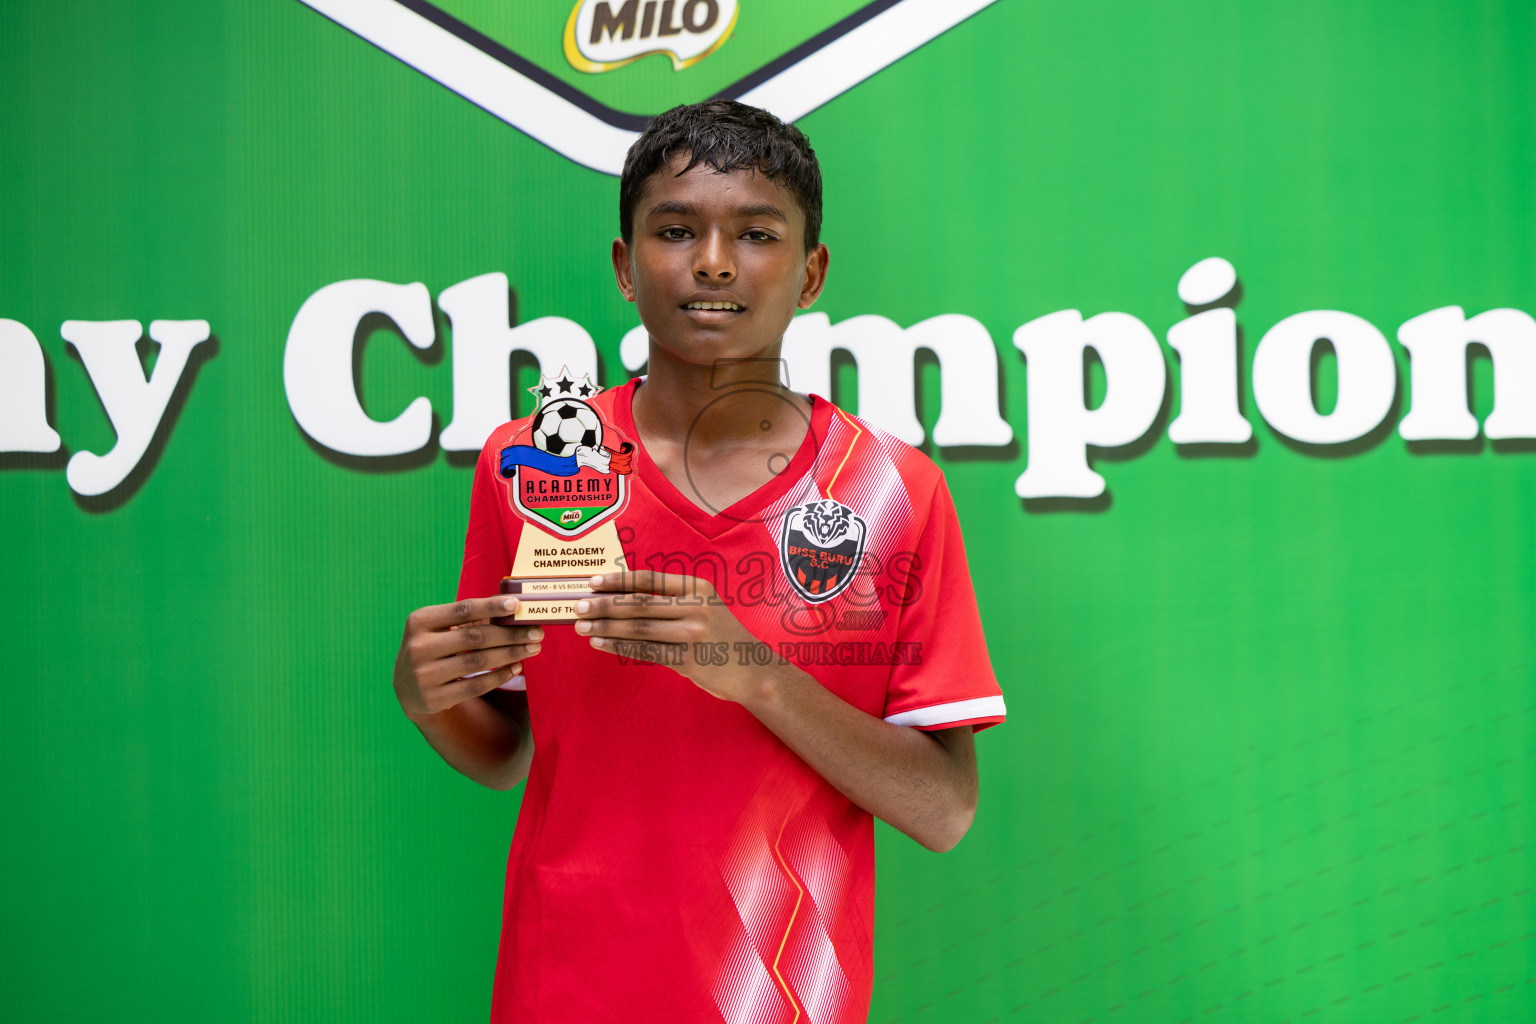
(759, 235)
(674, 232)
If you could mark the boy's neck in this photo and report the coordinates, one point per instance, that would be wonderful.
(669, 408)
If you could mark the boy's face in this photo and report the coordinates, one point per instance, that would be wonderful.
(708, 238)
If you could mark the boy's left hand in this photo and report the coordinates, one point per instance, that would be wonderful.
(680, 622)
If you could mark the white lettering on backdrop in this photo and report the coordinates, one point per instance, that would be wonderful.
(317, 366)
(24, 393)
(1207, 348)
(134, 404)
(483, 343)
(1437, 342)
(1061, 426)
(884, 354)
(1282, 377)
(322, 394)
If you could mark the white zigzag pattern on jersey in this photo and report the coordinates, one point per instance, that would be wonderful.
(745, 992)
(810, 964)
(870, 484)
(762, 896)
(823, 867)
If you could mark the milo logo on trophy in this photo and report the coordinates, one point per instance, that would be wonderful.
(575, 472)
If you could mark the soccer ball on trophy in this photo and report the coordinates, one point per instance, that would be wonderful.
(566, 424)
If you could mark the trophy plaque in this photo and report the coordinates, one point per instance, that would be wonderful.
(550, 574)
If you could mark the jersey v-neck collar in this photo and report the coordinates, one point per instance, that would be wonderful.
(748, 509)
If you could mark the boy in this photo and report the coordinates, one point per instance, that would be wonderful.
(795, 647)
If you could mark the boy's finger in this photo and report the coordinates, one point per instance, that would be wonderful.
(649, 581)
(473, 663)
(656, 652)
(630, 606)
(444, 616)
(481, 685)
(667, 631)
(446, 643)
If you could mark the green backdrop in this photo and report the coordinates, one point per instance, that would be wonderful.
(1270, 747)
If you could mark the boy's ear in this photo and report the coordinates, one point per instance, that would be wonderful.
(815, 275)
(621, 270)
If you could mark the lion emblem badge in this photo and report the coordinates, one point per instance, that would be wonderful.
(821, 548)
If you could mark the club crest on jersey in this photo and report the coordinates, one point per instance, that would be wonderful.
(821, 547)
(568, 469)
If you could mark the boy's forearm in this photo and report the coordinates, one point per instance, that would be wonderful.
(485, 738)
(923, 784)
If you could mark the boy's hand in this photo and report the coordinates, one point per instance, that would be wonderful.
(452, 652)
(680, 622)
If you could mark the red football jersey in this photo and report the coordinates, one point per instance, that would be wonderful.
(674, 860)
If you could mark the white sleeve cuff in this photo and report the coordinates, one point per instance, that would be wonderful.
(955, 711)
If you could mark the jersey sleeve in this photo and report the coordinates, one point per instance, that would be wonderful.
(487, 556)
(950, 681)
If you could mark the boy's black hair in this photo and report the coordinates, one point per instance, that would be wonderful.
(727, 136)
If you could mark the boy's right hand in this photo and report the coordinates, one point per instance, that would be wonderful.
(452, 652)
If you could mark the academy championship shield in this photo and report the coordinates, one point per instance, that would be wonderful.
(568, 470)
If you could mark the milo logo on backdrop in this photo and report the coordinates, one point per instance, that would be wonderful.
(601, 35)
(788, 56)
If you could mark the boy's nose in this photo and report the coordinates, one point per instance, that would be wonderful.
(713, 262)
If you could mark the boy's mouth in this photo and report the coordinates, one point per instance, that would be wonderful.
(713, 312)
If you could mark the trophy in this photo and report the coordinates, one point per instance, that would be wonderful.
(567, 474)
